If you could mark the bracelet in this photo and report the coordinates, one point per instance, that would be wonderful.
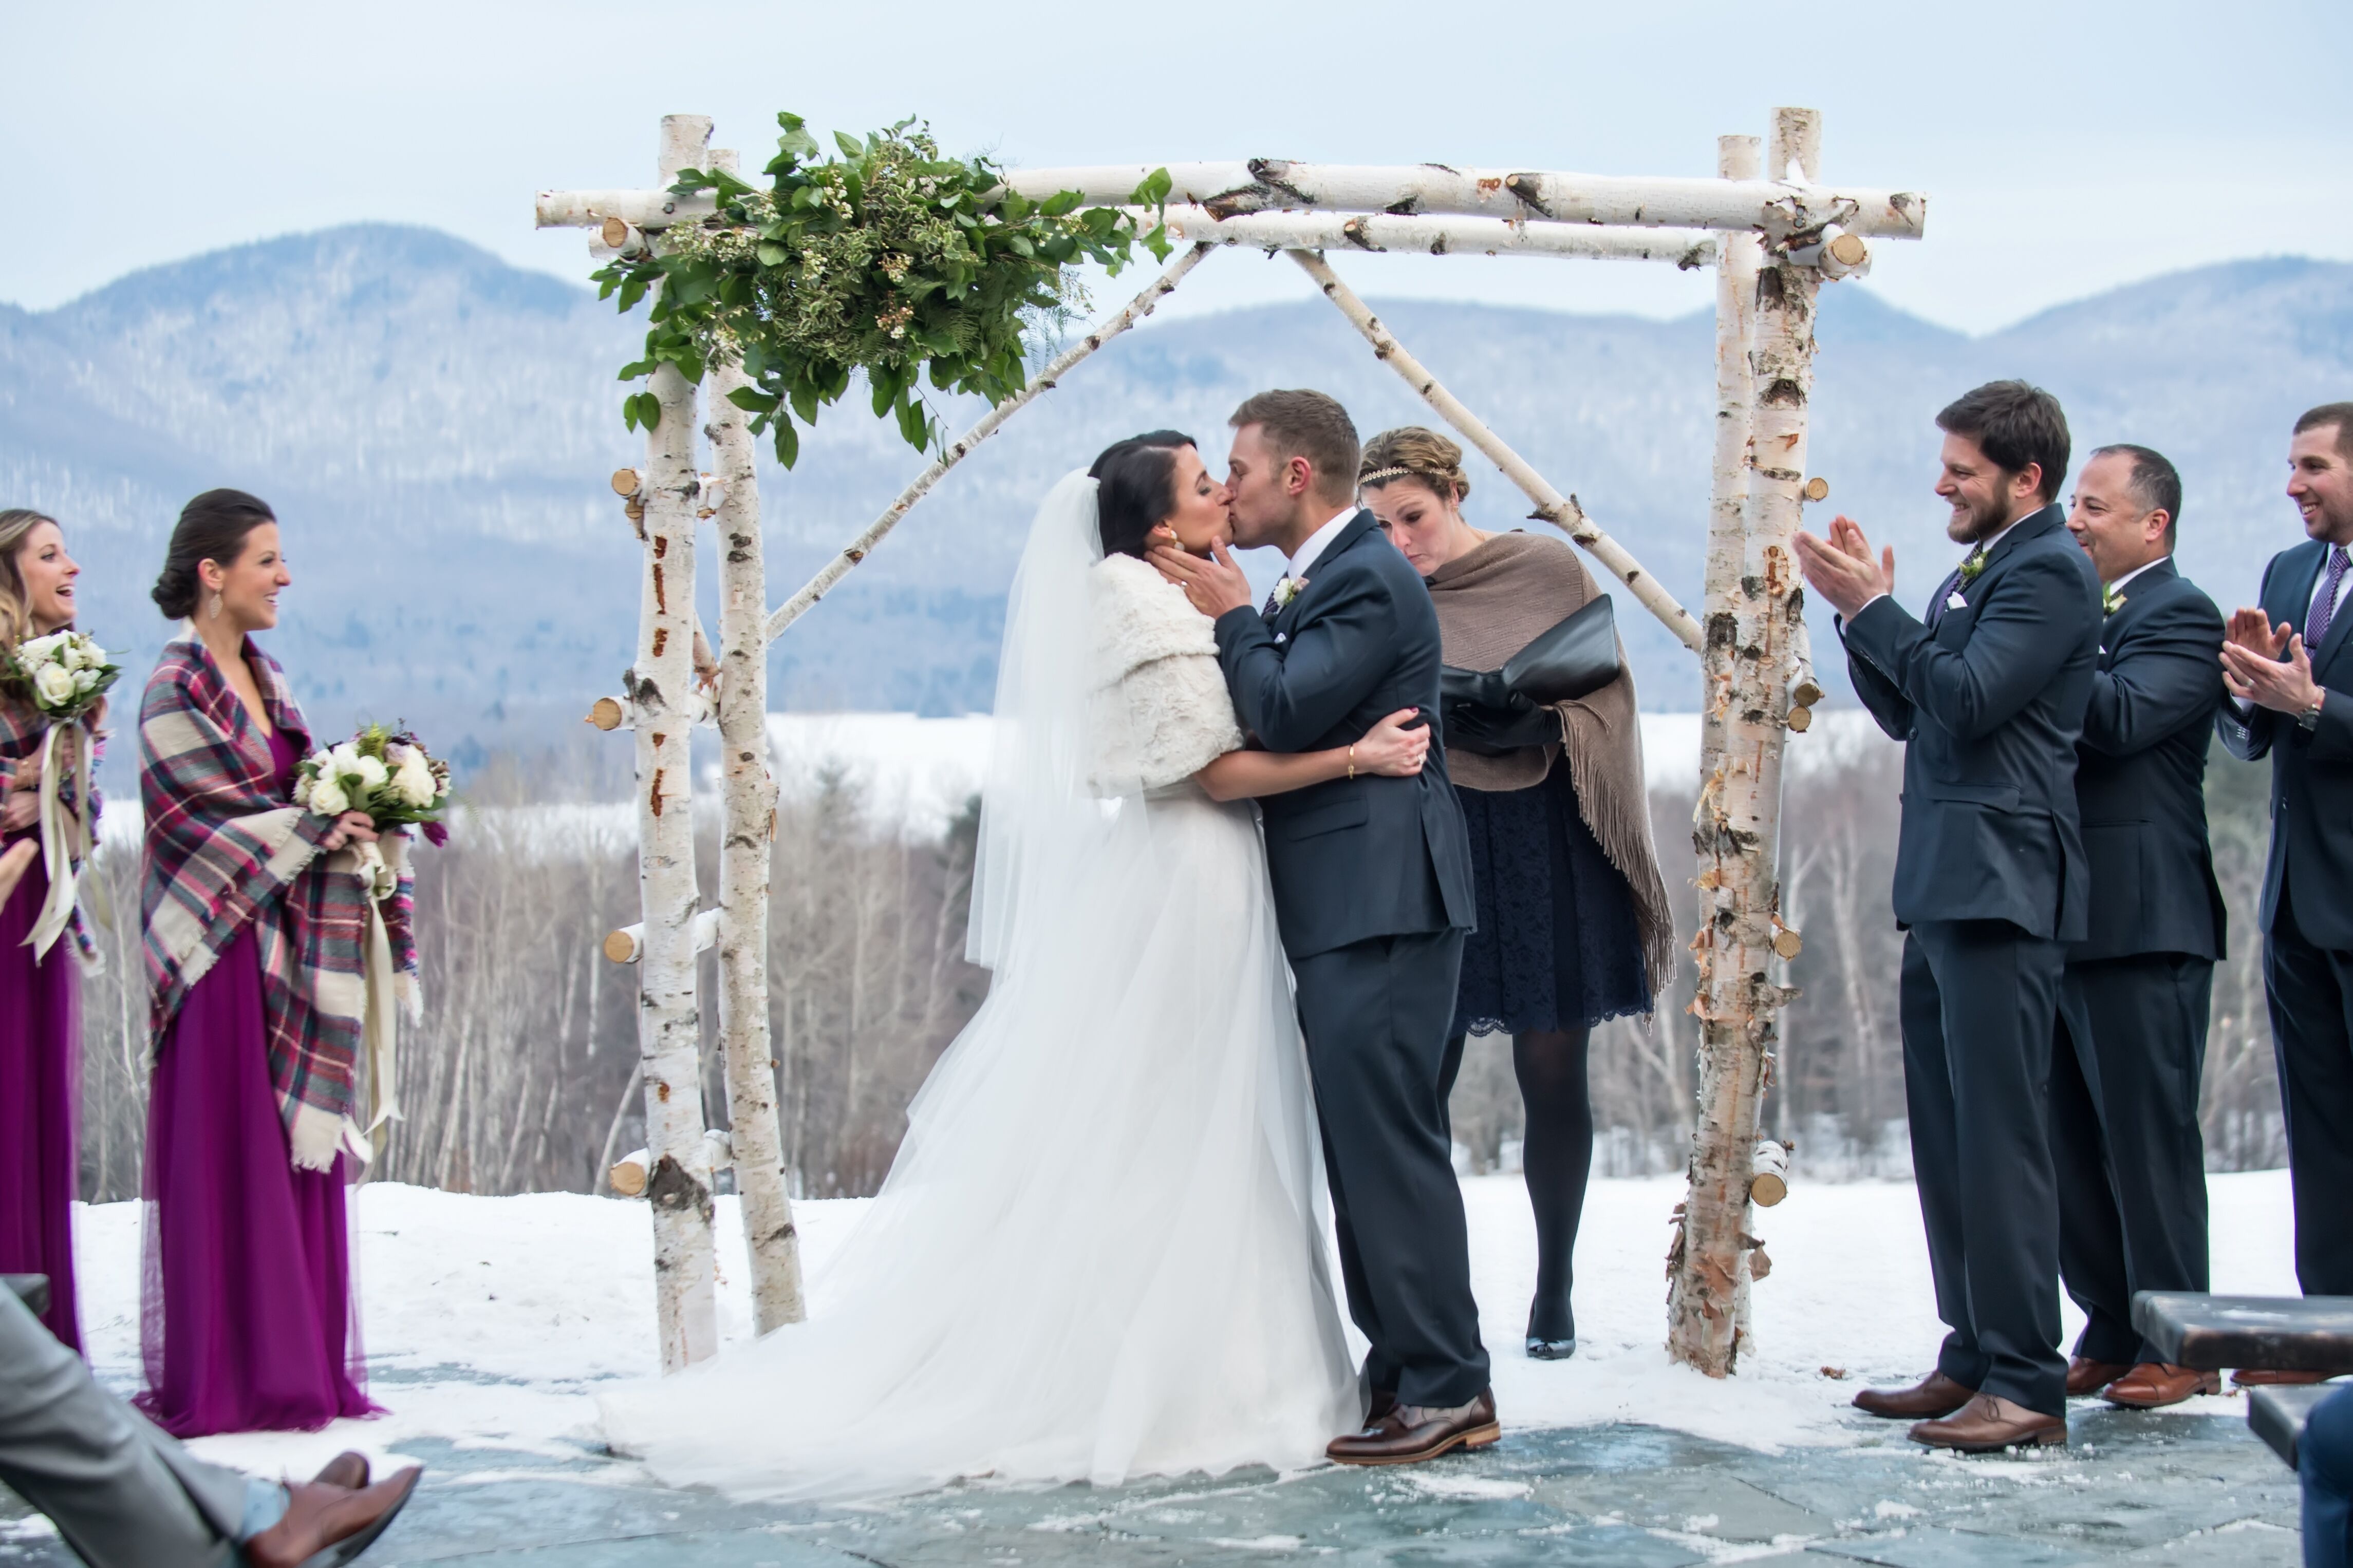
(1352, 765)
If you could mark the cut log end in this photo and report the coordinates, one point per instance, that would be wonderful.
(1787, 943)
(1804, 693)
(606, 713)
(1800, 720)
(1817, 488)
(627, 481)
(1769, 1189)
(621, 946)
(627, 1176)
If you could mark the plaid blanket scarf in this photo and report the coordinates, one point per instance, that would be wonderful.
(224, 847)
(22, 725)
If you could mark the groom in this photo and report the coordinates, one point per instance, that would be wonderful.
(1372, 891)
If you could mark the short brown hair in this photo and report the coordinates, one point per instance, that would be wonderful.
(2013, 424)
(1415, 452)
(2338, 414)
(1310, 425)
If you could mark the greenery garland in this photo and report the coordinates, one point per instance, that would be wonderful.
(889, 260)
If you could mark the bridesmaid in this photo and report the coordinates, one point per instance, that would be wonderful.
(40, 1035)
(248, 1318)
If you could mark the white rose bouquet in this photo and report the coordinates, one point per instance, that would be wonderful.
(64, 674)
(388, 775)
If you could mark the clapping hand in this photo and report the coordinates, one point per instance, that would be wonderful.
(2254, 671)
(1840, 568)
(1215, 585)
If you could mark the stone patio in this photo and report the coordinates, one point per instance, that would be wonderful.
(2192, 1489)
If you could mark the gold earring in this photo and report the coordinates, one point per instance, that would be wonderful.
(216, 606)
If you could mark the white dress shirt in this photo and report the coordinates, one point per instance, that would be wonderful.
(2119, 582)
(1317, 542)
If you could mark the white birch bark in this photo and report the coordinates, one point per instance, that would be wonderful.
(668, 1023)
(1685, 248)
(1772, 208)
(856, 551)
(1562, 511)
(1751, 610)
(745, 859)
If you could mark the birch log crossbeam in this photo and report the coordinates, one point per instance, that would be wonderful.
(835, 569)
(1562, 511)
(1685, 248)
(1775, 209)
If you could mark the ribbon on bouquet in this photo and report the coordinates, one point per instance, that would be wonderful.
(380, 1041)
(65, 831)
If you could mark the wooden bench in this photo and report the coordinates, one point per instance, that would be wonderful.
(2274, 1334)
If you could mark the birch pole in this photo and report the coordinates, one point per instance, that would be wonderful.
(856, 551)
(1562, 511)
(1753, 603)
(745, 854)
(662, 687)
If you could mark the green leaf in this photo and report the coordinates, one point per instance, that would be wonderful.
(1060, 202)
(805, 401)
(852, 147)
(1153, 190)
(632, 291)
(788, 440)
(773, 255)
(752, 400)
(796, 144)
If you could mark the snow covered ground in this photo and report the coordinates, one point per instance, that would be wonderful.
(489, 1320)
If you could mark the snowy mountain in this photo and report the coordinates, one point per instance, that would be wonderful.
(435, 428)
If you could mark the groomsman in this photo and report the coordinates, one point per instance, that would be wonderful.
(1989, 693)
(2131, 1046)
(2291, 685)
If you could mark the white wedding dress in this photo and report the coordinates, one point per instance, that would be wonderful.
(1100, 1253)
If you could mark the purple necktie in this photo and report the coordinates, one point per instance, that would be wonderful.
(2324, 608)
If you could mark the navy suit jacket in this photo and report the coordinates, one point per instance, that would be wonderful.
(1352, 858)
(2312, 775)
(2140, 774)
(1990, 703)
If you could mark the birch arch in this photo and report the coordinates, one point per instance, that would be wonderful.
(1774, 234)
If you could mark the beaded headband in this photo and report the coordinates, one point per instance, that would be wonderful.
(1382, 476)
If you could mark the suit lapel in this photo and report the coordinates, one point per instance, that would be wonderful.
(1358, 526)
(2137, 593)
(2292, 594)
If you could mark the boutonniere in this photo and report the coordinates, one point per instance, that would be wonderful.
(1287, 589)
(2111, 601)
(1972, 566)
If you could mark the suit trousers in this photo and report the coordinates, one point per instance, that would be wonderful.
(2310, 991)
(2324, 1461)
(1375, 1013)
(1979, 1001)
(2130, 1161)
(121, 1493)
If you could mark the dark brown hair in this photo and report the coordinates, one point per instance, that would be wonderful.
(213, 527)
(2338, 414)
(2014, 424)
(1135, 487)
(1310, 425)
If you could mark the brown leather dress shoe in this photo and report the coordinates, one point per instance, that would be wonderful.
(2154, 1384)
(1988, 1423)
(2261, 1377)
(1383, 1401)
(347, 1470)
(326, 1526)
(1934, 1395)
(1410, 1434)
(2086, 1376)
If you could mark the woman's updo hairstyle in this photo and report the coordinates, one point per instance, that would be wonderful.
(1412, 452)
(1135, 489)
(212, 527)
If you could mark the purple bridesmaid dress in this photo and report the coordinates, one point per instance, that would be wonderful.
(249, 1323)
(40, 1072)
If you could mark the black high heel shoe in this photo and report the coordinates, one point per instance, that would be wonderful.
(1550, 1340)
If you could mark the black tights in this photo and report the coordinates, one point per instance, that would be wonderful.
(1555, 1156)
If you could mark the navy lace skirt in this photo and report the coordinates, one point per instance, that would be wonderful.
(1558, 947)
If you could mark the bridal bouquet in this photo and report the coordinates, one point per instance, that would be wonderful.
(389, 776)
(65, 674)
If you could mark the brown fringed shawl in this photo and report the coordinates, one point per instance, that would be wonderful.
(1492, 601)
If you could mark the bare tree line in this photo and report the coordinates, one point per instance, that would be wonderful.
(523, 1076)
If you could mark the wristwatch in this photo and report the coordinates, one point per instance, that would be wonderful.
(2309, 719)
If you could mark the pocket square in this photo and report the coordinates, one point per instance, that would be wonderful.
(1282, 637)
(1955, 601)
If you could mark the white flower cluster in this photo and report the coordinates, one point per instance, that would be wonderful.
(345, 778)
(66, 670)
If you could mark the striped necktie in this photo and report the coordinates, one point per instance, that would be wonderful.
(2324, 608)
(1271, 607)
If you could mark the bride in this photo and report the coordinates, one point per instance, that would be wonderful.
(1100, 1253)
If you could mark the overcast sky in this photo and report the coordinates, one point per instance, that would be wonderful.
(2066, 146)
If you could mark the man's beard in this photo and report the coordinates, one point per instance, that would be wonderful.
(1976, 527)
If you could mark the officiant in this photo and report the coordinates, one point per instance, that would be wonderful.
(1574, 927)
